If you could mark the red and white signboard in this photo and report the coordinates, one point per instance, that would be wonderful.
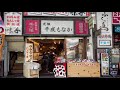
(13, 23)
(2, 29)
(116, 17)
(32, 27)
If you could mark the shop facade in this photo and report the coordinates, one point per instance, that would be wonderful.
(72, 31)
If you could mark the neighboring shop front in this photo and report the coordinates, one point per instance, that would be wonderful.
(13, 64)
(64, 34)
(2, 40)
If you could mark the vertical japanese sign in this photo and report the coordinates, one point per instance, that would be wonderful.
(29, 52)
(57, 27)
(32, 27)
(104, 23)
(105, 63)
(13, 23)
(115, 17)
(81, 27)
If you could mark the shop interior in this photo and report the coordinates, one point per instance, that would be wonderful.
(57, 47)
(42, 50)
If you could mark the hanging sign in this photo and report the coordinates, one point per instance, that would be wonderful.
(32, 27)
(57, 27)
(81, 27)
(13, 23)
(29, 52)
(115, 17)
(65, 14)
(104, 23)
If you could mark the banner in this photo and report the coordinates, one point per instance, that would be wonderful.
(104, 23)
(81, 27)
(13, 23)
(65, 14)
(32, 27)
(29, 52)
(115, 17)
(57, 27)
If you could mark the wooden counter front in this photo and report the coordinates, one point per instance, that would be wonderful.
(83, 69)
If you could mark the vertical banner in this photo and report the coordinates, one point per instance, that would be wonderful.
(104, 23)
(29, 52)
(32, 27)
(13, 23)
(105, 64)
(81, 27)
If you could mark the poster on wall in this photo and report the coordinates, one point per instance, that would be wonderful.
(115, 17)
(29, 52)
(13, 23)
(65, 14)
(2, 29)
(81, 27)
(72, 48)
(105, 63)
(104, 23)
(32, 27)
(57, 27)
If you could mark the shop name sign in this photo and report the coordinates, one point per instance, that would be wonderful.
(79, 14)
(104, 23)
(57, 27)
(116, 17)
(13, 23)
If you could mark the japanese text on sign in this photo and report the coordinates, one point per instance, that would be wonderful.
(104, 23)
(13, 23)
(116, 17)
(31, 26)
(56, 27)
(80, 14)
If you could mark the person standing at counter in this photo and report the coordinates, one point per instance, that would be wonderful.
(51, 62)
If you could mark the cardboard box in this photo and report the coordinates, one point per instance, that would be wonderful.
(83, 69)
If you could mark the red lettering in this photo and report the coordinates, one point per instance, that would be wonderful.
(15, 17)
(18, 24)
(8, 23)
(13, 24)
(18, 20)
(18, 17)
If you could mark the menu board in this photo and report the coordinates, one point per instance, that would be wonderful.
(105, 63)
(72, 48)
(29, 52)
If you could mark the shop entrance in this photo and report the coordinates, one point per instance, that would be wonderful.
(45, 51)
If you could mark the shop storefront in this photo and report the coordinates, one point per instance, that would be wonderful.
(66, 37)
